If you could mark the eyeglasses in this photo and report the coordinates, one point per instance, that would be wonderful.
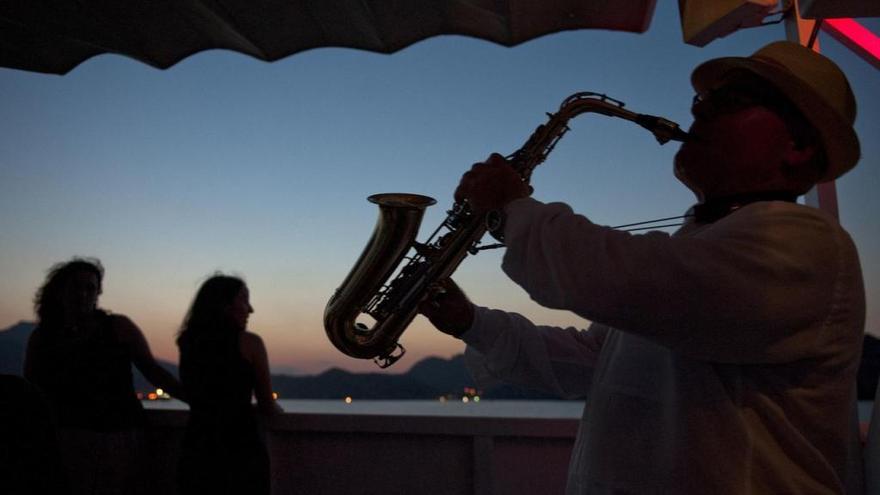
(733, 98)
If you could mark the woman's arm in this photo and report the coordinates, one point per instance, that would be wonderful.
(142, 357)
(254, 351)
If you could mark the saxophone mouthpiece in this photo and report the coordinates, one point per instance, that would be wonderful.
(664, 130)
(680, 135)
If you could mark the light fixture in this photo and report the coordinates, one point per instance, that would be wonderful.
(703, 21)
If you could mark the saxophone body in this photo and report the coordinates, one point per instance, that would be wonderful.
(390, 306)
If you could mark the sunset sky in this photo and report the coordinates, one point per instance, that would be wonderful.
(227, 163)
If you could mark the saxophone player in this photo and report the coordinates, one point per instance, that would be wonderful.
(720, 359)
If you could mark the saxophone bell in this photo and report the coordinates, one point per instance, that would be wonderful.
(363, 292)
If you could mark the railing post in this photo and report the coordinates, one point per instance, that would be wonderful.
(484, 447)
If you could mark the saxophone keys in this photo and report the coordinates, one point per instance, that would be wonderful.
(389, 358)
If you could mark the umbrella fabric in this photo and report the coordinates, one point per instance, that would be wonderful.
(55, 36)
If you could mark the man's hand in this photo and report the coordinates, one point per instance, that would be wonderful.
(491, 185)
(449, 309)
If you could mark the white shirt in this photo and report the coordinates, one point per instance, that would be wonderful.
(731, 351)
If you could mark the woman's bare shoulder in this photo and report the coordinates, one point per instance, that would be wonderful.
(122, 325)
(250, 343)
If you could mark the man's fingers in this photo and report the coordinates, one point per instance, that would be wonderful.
(496, 159)
(429, 309)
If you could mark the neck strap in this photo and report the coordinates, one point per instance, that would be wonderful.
(717, 208)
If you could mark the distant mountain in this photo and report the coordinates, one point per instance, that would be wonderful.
(451, 377)
(427, 379)
(13, 341)
(336, 383)
(450, 372)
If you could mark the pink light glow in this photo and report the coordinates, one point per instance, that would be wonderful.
(856, 37)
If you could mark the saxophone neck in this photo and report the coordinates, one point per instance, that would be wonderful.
(663, 129)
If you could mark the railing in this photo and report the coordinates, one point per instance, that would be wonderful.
(367, 454)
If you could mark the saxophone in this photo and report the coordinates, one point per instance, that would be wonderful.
(391, 306)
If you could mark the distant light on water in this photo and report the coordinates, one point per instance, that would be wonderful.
(348, 400)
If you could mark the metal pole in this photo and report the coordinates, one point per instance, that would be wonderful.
(799, 30)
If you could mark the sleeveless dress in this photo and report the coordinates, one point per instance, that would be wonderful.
(223, 447)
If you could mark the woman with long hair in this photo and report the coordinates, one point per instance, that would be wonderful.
(80, 356)
(223, 367)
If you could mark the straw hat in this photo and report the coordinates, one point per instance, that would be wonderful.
(813, 83)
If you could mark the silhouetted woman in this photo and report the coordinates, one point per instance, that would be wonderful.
(81, 357)
(223, 366)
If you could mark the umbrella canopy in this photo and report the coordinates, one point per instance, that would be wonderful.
(54, 37)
